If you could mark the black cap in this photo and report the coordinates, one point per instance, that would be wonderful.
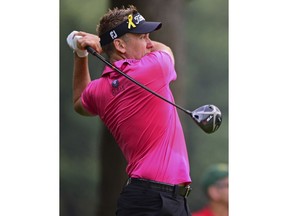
(134, 24)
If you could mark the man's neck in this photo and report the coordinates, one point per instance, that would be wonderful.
(116, 57)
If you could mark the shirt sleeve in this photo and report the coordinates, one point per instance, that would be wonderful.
(88, 98)
(164, 61)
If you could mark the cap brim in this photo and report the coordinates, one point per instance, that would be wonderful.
(146, 27)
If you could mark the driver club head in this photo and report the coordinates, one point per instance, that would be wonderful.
(207, 117)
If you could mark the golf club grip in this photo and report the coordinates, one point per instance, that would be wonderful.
(90, 50)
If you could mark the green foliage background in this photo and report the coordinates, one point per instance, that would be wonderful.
(207, 82)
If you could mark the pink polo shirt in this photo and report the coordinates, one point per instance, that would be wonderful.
(146, 128)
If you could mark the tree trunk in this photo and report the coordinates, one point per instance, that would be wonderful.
(113, 175)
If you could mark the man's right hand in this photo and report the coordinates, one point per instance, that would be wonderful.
(78, 41)
(72, 41)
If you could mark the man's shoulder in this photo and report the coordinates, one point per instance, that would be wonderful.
(157, 57)
(159, 54)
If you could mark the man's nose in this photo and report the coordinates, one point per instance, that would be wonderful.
(149, 43)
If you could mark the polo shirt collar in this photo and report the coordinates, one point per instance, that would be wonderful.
(121, 64)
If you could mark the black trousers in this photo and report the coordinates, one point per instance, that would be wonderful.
(139, 200)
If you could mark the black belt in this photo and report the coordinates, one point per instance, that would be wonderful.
(173, 189)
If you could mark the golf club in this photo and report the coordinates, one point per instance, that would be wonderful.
(207, 117)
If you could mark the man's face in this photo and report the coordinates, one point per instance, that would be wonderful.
(137, 45)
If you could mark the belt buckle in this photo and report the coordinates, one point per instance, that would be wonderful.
(187, 192)
(128, 181)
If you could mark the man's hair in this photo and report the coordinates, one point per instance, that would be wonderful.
(112, 19)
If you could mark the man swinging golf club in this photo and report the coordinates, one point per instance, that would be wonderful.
(146, 128)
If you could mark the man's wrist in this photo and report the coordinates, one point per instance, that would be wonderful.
(81, 53)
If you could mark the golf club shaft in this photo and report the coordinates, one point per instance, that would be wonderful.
(93, 52)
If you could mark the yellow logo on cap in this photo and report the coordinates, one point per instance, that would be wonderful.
(130, 22)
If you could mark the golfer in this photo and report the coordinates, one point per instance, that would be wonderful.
(146, 128)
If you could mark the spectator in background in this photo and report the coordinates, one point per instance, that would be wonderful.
(215, 186)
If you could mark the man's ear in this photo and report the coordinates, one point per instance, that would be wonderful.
(119, 45)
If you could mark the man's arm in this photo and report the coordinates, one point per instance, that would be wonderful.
(157, 46)
(81, 78)
(81, 75)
